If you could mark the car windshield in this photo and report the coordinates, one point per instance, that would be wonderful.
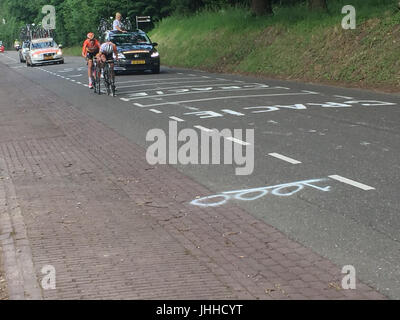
(43, 45)
(130, 38)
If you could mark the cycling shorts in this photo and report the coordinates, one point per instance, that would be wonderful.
(91, 55)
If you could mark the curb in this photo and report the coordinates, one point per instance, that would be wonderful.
(18, 264)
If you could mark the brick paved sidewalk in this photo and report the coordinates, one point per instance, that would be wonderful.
(76, 195)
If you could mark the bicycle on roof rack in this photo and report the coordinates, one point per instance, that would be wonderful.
(31, 32)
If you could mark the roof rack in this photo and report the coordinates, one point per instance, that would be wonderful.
(31, 31)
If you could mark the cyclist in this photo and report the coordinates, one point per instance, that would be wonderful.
(107, 52)
(90, 49)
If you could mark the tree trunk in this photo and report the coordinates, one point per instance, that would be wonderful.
(261, 7)
(317, 5)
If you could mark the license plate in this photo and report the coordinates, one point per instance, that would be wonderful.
(48, 58)
(138, 62)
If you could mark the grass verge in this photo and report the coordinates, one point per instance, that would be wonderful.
(292, 44)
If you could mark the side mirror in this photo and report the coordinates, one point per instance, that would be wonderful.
(60, 46)
(155, 44)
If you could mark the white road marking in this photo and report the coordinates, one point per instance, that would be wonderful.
(226, 97)
(10, 58)
(154, 84)
(195, 92)
(310, 92)
(284, 158)
(155, 111)
(343, 97)
(238, 141)
(177, 119)
(170, 88)
(154, 80)
(137, 104)
(235, 113)
(203, 129)
(352, 182)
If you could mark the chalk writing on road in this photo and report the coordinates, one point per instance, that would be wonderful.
(281, 190)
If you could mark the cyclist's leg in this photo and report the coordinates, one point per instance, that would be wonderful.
(90, 71)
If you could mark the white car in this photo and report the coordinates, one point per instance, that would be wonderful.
(24, 51)
(44, 51)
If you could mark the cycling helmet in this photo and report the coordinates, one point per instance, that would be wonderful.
(90, 35)
(107, 48)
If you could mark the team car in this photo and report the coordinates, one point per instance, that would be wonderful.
(24, 51)
(44, 51)
(1, 46)
(136, 52)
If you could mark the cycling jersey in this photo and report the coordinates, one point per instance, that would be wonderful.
(109, 56)
(90, 49)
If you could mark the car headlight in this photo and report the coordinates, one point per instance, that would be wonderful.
(59, 52)
(155, 54)
(121, 56)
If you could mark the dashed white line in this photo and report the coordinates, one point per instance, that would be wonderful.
(203, 129)
(177, 119)
(238, 141)
(284, 158)
(344, 97)
(155, 111)
(352, 182)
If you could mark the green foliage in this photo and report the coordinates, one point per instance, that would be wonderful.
(74, 18)
(294, 43)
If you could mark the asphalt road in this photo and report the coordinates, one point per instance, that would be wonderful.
(346, 140)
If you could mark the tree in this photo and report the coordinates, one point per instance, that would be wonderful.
(261, 7)
(317, 5)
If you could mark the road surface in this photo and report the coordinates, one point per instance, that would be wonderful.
(337, 148)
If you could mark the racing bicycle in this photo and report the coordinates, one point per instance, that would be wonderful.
(109, 77)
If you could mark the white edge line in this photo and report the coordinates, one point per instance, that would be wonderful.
(351, 182)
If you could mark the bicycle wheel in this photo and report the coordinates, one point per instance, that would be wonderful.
(107, 80)
(112, 78)
(98, 79)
